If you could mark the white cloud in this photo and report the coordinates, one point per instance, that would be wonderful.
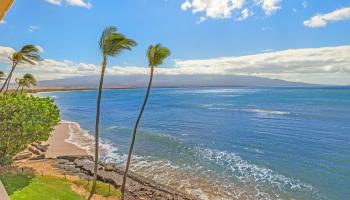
(186, 5)
(305, 4)
(321, 20)
(40, 48)
(329, 65)
(5, 53)
(201, 19)
(79, 3)
(217, 9)
(55, 2)
(270, 6)
(33, 28)
(2, 22)
(245, 14)
(225, 9)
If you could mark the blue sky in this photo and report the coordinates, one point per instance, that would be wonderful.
(196, 30)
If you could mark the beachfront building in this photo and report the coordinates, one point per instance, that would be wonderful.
(4, 7)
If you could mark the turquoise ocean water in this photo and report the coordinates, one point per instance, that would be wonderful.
(225, 143)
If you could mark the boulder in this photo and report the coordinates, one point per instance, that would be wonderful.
(38, 157)
(42, 148)
(34, 150)
(23, 155)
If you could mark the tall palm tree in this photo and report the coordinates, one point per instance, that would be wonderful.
(111, 43)
(28, 81)
(156, 55)
(28, 54)
(2, 76)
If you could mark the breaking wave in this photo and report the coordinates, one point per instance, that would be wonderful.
(239, 179)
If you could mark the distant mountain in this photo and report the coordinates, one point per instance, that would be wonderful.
(170, 81)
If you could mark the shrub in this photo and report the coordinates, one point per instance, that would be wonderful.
(24, 120)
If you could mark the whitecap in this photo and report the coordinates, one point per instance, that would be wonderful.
(266, 112)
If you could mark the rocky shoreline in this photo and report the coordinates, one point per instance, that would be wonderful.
(138, 187)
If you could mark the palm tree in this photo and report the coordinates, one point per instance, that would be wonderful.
(111, 43)
(156, 55)
(20, 83)
(2, 76)
(28, 81)
(28, 54)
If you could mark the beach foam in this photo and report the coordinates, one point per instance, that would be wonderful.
(254, 181)
(84, 140)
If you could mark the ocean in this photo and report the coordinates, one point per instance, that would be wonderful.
(225, 143)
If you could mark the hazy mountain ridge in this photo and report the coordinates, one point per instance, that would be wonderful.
(170, 81)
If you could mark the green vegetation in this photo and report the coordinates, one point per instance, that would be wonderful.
(28, 54)
(111, 43)
(46, 187)
(24, 120)
(28, 81)
(27, 187)
(156, 55)
(13, 182)
(101, 188)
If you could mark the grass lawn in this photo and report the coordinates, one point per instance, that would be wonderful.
(46, 188)
(14, 182)
(101, 188)
(29, 187)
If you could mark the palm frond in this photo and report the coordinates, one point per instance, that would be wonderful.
(33, 56)
(27, 60)
(156, 54)
(27, 80)
(112, 43)
(28, 54)
(29, 48)
(106, 34)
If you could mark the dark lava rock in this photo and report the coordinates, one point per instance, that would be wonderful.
(23, 155)
(138, 187)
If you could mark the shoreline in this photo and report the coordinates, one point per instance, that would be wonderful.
(60, 149)
(58, 145)
(63, 89)
(69, 140)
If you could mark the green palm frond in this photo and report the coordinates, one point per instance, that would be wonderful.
(106, 34)
(28, 54)
(25, 59)
(29, 48)
(29, 79)
(156, 54)
(112, 42)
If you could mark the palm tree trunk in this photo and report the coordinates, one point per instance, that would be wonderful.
(97, 126)
(134, 132)
(22, 90)
(8, 79)
(17, 88)
(8, 83)
(4, 85)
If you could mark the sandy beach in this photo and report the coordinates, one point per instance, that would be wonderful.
(57, 144)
